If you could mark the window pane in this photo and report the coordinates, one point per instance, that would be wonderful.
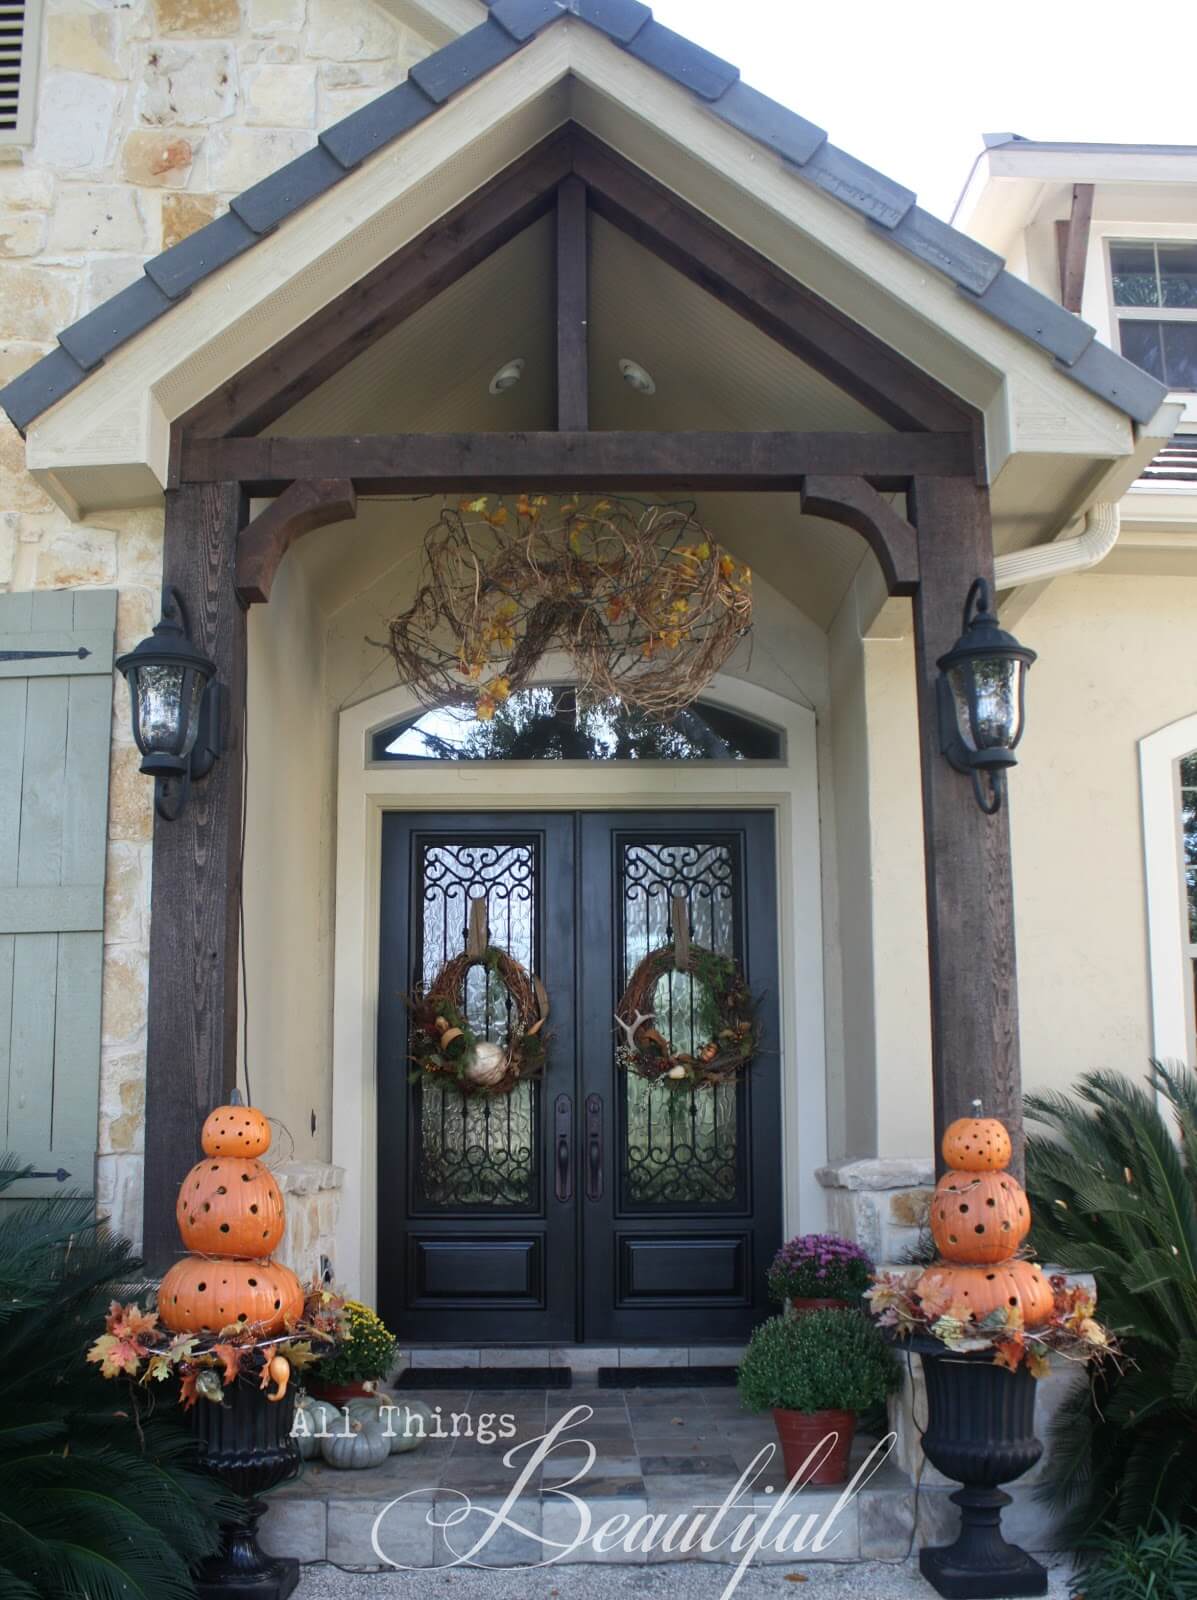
(1178, 274)
(1141, 344)
(1180, 355)
(548, 724)
(1188, 771)
(1133, 267)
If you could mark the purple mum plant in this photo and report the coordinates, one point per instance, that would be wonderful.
(820, 1266)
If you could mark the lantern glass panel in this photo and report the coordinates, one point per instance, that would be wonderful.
(987, 692)
(168, 705)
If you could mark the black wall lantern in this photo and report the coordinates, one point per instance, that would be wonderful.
(982, 680)
(178, 707)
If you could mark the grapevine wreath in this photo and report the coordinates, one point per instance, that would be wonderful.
(445, 1047)
(725, 1016)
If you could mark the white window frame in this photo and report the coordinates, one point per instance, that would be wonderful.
(1161, 313)
(1171, 954)
(21, 135)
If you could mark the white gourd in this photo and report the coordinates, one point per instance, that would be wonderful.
(408, 1428)
(312, 1418)
(357, 1444)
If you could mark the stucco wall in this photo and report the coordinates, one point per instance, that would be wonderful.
(152, 114)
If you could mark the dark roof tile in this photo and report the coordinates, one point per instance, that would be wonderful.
(181, 267)
(270, 202)
(859, 186)
(363, 132)
(621, 19)
(40, 387)
(769, 123)
(1119, 381)
(101, 331)
(522, 19)
(947, 250)
(447, 71)
(1036, 317)
(688, 64)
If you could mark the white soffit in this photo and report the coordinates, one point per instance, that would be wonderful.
(95, 450)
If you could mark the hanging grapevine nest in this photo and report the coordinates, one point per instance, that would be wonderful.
(725, 1015)
(644, 601)
(443, 1045)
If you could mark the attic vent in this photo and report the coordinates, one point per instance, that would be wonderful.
(1176, 462)
(20, 27)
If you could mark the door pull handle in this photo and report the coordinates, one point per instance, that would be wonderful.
(564, 1131)
(594, 1147)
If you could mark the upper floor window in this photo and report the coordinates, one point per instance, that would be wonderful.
(1188, 822)
(549, 724)
(1155, 303)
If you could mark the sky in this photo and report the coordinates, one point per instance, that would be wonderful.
(911, 85)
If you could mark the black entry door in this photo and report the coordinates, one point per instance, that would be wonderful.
(589, 1206)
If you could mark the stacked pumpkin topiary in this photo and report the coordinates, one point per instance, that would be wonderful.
(980, 1216)
(230, 1214)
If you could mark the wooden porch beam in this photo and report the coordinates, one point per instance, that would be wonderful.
(857, 505)
(304, 506)
(385, 297)
(573, 308)
(1072, 242)
(970, 903)
(777, 304)
(457, 463)
(191, 1040)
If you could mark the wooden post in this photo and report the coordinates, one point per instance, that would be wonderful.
(194, 933)
(573, 309)
(970, 908)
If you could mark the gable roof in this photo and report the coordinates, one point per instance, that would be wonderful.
(804, 149)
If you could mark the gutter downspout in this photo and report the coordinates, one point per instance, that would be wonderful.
(1063, 556)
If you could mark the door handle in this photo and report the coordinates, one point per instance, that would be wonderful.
(563, 1128)
(594, 1147)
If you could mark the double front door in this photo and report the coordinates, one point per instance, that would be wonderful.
(590, 1205)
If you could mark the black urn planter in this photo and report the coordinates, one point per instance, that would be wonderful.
(980, 1431)
(247, 1444)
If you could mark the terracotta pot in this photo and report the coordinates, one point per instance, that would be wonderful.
(340, 1394)
(801, 1431)
(803, 1303)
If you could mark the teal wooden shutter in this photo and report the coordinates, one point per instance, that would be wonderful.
(55, 725)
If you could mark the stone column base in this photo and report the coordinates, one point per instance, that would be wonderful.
(311, 1193)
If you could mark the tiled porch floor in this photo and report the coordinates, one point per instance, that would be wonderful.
(656, 1451)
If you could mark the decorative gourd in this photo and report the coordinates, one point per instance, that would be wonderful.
(407, 1427)
(230, 1206)
(204, 1295)
(313, 1418)
(235, 1131)
(979, 1216)
(985, 1289)
(977, 1144)
(357, 1443)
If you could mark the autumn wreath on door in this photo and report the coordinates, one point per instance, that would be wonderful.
(721, 1011)
(448, 1050)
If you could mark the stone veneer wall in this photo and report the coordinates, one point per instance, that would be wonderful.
(152, 114)
(883, 1202)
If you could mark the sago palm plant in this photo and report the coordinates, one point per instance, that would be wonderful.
(97, 1499)
(1114, 1190)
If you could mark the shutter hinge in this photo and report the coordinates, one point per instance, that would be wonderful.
(60, 1176)
(42, 655)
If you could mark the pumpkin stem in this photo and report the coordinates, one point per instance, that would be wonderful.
(978, 1108)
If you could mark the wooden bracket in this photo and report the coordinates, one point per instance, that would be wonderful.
(858, 505)
(573, 308)
(307, 504)
(1072, 241)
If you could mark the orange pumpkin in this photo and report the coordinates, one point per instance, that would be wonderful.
(977, 1144)
(984, 1289)
(235, 1131)
(231, 1207)
(205, 1296)
(979, 1216)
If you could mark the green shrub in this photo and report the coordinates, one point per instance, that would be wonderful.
(820, 1361)
(1143, 1566)
(94, 1503)
(1114, 1193)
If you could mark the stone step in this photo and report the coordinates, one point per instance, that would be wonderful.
(579, 1357)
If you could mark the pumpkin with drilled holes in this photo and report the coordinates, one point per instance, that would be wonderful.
(230, 1206)
(984, 1289)
(235, 1131)
(979, 1216)
(202, 1294)
(977, 1144)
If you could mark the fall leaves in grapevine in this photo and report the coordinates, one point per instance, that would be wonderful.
(645, 603)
